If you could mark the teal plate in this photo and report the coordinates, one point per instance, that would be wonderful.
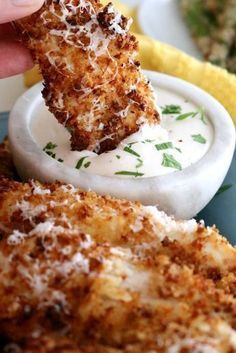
(220, 211)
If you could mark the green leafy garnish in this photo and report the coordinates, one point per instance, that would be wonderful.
(178, 149)
(126, 172)
(117, 156)
(51, 154)
(131, 151)
(223, 188)
(49, 149)
(202, 113)
(60, 160)
(170, 162)
(87, 164)
(132, 143)
(50, 146)
(217, 62)
(201, 21)
(140, 163)
(186, 115)
(199, 138)
(148, 140)
(80, 162)
(171, 109)
(164, 146)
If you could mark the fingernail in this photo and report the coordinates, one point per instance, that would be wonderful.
(22, 2)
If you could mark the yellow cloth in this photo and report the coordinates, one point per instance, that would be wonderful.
(161, 57)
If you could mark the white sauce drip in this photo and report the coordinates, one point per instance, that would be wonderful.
(148, 160)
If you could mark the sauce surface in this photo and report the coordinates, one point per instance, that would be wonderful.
(183, 137)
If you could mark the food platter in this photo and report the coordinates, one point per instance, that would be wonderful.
(152, 17)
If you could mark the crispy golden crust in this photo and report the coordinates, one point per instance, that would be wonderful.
(7, 168)
(90, 274)
(92, 83)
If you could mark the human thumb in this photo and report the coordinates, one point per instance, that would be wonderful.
(13, 9)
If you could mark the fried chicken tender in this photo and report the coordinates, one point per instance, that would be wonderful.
(92, 82)
(7, 168)
(81, 273)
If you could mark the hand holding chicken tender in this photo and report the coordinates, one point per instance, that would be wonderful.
(93, 84)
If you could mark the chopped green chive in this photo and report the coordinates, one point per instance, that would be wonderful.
(199, 138)
(125, 172)
(80, 162)
(117, 156)
(140, 163)
(171, 109)
(164, 146)
(131, 151)
(202, 113)
(178, 149)
(149, 141)
(170, 162)
(51, 154)
(186, 115)
(60, 160)
(49, 149)
(132, 143)
(50, 146)
(223, 188)
(86, 165)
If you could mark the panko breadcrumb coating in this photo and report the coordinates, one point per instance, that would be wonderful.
(92, 81)
(7, 168)
(81, 273)
(213, 24)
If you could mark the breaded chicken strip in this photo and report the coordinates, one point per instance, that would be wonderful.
(92, 82)
(85, 273)
(7, 168)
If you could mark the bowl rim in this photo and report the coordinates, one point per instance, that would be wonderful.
(222, 146)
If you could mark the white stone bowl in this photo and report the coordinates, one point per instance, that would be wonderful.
(182, 193)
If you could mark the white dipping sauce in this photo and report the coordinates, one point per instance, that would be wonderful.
(182, 138)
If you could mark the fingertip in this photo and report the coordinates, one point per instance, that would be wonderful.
(14, 59)
(29, 5)
(14, 9)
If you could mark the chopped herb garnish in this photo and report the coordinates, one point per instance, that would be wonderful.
(187, 115)
(171, 109)
(51, 154)
(60, 160)
(140, 163)
(170, 162)
(164, 146)
(69, 129)
(217, 62)
(117, 156)
(126, 172)
(87, 164)
(132, 143)
(49, 149)
(149, 141)
(80, 162)
(178, 149)
(50, 146)
(223, 188)
(202, 113)
(131, 151)
(199, 138)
